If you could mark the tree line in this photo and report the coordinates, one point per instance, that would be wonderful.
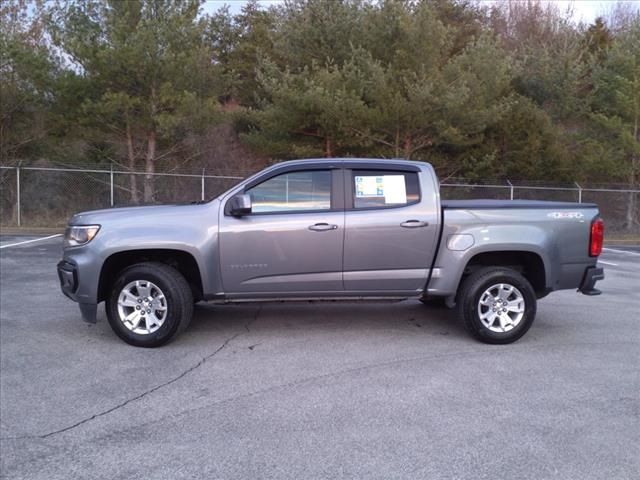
(508, 89)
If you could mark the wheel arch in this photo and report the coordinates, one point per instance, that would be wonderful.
(181, 260)
(529, 264)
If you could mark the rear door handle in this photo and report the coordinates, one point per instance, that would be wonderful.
(323, 227)
(414, 224)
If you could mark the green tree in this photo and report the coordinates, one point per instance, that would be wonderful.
(506, 89)
(525, 131)
(306, 100)
(238, 42)
(27, 77)
(150, 72)
(550, 55)
(598, 38)
(616, 111)
(408, 91)
(438, 102)
(308, 114)
(318, 31)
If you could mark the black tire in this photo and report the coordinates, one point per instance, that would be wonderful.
(179, 303)
(470, 294)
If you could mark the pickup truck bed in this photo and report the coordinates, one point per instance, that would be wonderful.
(548, 241)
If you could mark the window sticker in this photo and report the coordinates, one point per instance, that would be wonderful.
(367, 186)
(395, 190)
(390, 187)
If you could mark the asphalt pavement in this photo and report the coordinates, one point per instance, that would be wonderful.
(318, 390)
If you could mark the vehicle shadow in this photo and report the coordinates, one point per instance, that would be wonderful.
(409, 317)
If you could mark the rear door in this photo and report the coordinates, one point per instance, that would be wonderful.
(291, 243)
(391, 228)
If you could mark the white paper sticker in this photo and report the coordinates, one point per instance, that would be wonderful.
(394, 189)
(390, 187)
(368, 187)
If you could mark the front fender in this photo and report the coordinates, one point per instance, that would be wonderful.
(191, 230)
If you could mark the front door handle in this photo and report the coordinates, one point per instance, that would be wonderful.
(323, 227)
(414, 224)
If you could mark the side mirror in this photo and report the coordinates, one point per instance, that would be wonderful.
(240, 205)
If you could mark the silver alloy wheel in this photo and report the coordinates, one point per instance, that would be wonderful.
(501, 307)
(142, 307)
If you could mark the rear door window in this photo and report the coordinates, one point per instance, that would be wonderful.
(384, 189)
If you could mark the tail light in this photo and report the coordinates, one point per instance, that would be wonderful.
(597, 237)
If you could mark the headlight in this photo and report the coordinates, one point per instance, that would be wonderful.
(79, 234)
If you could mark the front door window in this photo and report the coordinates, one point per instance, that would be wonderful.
(291, 192)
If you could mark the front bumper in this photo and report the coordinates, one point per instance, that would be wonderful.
(68, 276)
(591, 276)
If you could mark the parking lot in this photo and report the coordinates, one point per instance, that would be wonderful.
(318, 390)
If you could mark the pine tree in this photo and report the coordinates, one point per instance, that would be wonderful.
(150, 72)
(28, 74)
(616, 110)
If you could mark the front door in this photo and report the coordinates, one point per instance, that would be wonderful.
(291, 242)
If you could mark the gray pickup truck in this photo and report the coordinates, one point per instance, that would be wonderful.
(330, 229)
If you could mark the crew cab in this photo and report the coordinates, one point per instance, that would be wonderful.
(330, 229)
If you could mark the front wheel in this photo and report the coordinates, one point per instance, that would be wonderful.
(150, 303)
(497, 305)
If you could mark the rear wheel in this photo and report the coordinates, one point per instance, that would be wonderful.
(150, 303)
(497, 305)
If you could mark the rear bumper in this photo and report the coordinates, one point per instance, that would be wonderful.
(591, 276)
(68, 276)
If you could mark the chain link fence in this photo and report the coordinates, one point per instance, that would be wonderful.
(46, 196)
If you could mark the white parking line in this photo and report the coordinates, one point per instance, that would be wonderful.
(608, 263)
(31, 241)
(621, 251)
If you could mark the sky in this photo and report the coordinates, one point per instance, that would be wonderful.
(583, 10)
(587, 10)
